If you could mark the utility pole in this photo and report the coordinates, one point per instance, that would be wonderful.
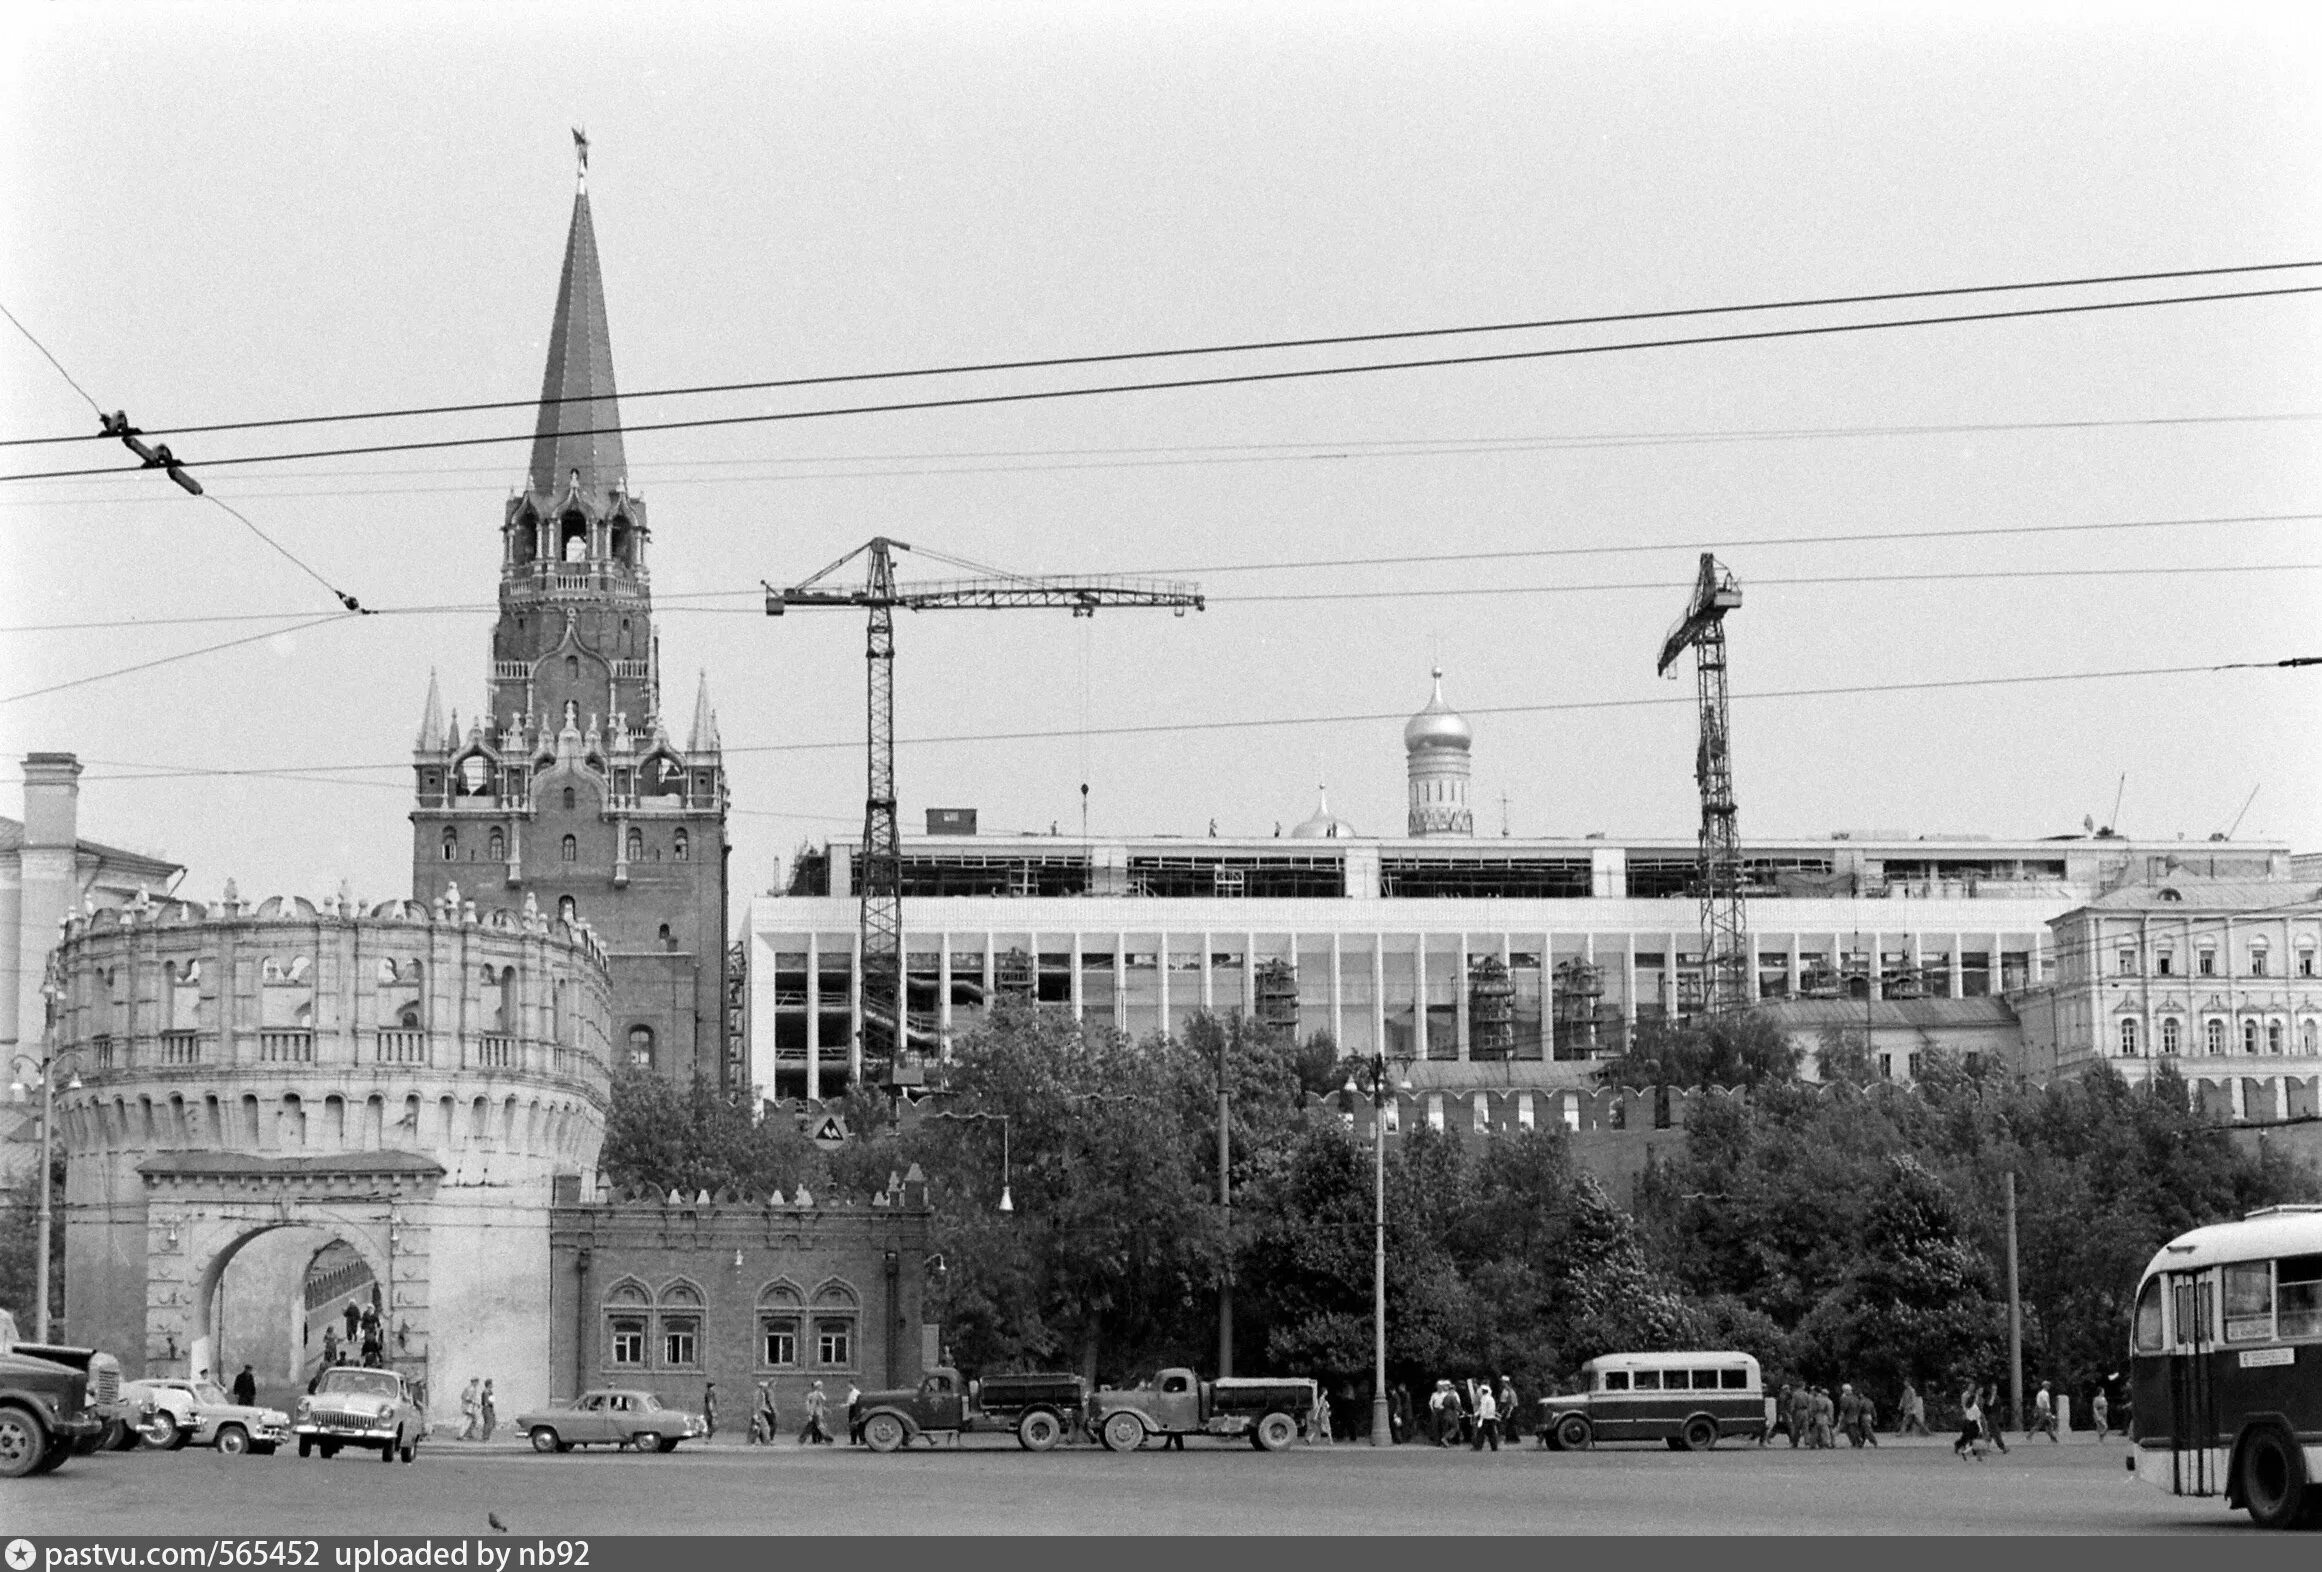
(2015, 1318)
(1225, 1210)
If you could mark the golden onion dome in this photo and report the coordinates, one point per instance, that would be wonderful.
(1324, 825)
(1438, 725)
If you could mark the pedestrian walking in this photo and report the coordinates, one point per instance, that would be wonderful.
(817, 1406)
(1914, 1413)
(1992, 1428)
(330, 1345)
(354, 1319)
(485, 1409)
(1487, 1418)
(1440, 1425)
(1399, 1414)
(2044, 1414)
(471, 1410)
(1970, 1442)
(709, 1410)
(1801, 1416)
(854, 1424)
(763, 1419)
(1825, 1414)
(246, 1388)
(1511, 1415)
(1850, 1414)
(2101, 1407)
(1870, 1420)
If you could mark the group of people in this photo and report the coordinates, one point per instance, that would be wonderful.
(365, 1340)
(479, 1413)
(1812, 1418)
(1475, 1412)
(766, 1416)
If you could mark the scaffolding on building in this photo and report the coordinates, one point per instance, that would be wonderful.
(1491, 1009)
(1277, 990)
(1583, 1024)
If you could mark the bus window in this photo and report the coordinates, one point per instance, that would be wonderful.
(2249, 1302)
(2298, 1296)
(1615, 1380)
(1734, 1380)
(1704, 1380)
(1650, 1380)
(2148, 1333)
(2193, 1315)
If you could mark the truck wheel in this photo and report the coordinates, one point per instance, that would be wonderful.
(120, 1436)
(884, 1433)
(1573, 1433)
(544, 1439)
(1039, 1430)
(23, 1442)
(233, 1440)
(1700, 1433)
(54, 1458)
(1122, 1432)
(1275, 1432)
(2273, 1480)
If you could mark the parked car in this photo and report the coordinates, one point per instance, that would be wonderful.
(360, 1406)
(611, 1416)
(172, 1413)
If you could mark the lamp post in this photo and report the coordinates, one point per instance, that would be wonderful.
(1372, 1069)
(46, 1068)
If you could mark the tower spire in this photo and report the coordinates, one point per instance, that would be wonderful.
(705, 722)
(431, 731)
(579, 431)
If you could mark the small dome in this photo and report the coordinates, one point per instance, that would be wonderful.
(1325, 825)
(1438, 725)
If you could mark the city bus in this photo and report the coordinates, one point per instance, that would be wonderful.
(1685, 1400)
(2225, 1366)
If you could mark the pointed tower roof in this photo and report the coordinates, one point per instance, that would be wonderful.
(431, 731)
(583, 432)
(705, 722)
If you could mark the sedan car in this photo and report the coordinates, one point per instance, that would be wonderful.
(611, 1416)
(170, 1413)
(360, 1406)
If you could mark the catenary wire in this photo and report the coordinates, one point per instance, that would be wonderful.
(170, 660)
(1567, 706)
(1318, 450)
(1254, 346)
(1399, 592)
(60, 371)
(1245, 378)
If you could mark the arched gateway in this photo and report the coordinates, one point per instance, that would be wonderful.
(298, 1113)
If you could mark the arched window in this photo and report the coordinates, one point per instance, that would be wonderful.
(641, 1047)
(566, 909)
(781, 1310)
(496, 846)
(2128, 1035)
(679, 849)
(2273, 1037)
(681, 1307)
(628, 1323)
(2171, 1036)
(2213, 1035)
(837, 1309)
(636, 845)
(2249, 1037)
(568, 799)
(2310, 1039)
(2257, 957)
(451, 844)
(571, 849)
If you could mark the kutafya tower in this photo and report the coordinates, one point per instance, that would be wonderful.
(575, 787)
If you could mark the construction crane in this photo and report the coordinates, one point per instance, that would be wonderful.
(1725, 960)
(890, 1049)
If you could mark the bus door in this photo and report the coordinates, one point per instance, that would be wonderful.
(2194, 1448)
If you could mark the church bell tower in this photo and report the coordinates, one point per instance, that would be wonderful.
(569, 789)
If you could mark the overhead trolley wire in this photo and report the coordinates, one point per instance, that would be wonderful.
(1246, 346)
(1228, 379)
(1567, 706)
(169, 660)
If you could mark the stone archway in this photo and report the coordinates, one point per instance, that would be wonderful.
(204, 1209)
(248, 1297)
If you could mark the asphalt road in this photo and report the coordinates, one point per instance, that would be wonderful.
(990, 1487)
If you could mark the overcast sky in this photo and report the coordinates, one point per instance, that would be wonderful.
(237, 212)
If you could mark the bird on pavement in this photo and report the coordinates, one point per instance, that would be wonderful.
(493, 1518)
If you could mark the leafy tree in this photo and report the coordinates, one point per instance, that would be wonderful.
(20, 1245)
(692, 1138)
(1743, 1049)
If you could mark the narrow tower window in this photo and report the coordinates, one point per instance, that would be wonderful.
(636, 844)
(451, 844)
(496, 846)
(678, 847)
(568, 803)
(571, 849)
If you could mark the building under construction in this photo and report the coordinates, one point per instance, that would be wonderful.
(1535, 956)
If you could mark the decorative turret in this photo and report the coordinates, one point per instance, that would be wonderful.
(1436, 763)
(705, 722)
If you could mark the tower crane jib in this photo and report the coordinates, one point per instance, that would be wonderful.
(893, 1047)
(1725, 960)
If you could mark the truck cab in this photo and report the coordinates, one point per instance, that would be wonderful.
(45, 1410)
(1042, 1409)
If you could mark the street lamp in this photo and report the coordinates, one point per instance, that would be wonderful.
(45, 1068)
(1373, 1070)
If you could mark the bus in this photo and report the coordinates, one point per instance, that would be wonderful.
(2225, 1366)
(1686, 1400)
